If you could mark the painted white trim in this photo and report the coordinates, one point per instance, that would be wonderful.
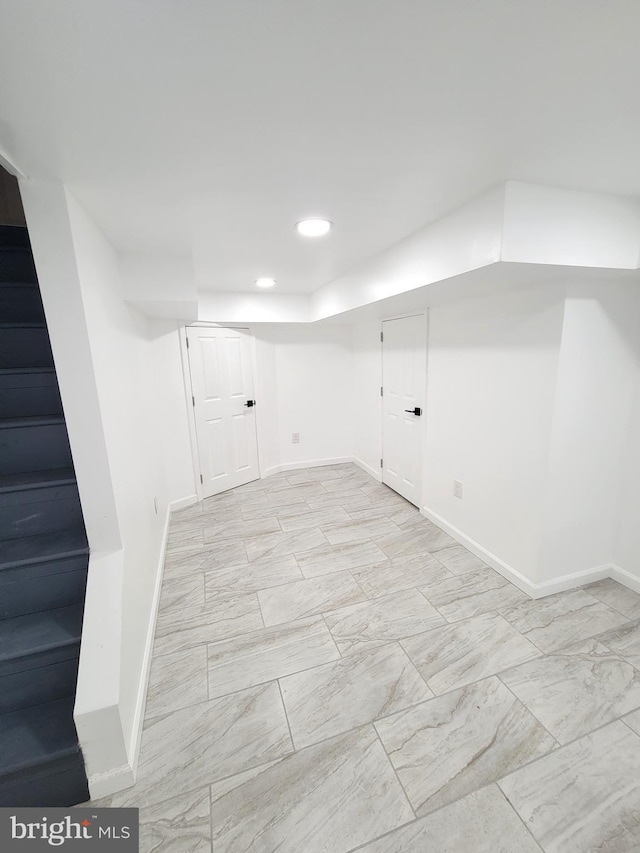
(182, 503)
(310, 463)
(535, 590)
(111, 781)
(191, 418)
(141, 702)
(376, 473)
(625, 578)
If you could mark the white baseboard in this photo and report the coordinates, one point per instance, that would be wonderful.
(535, 590)
(110, 782)
(141, 702)
(182, 503)
(625, 578)
(309, 463)
(376, 473)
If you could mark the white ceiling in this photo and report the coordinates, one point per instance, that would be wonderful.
(207, 128)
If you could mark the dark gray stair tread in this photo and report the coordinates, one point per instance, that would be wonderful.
(32, 421)
(24, 324)
(36, 480)
(14, 236)
(6, 371)
(39, 632)
(39, 549)
(33, 736)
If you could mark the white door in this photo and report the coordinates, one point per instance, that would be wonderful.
(224, 406)
(404, 377)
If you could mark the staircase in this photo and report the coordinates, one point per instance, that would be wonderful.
(43, 553)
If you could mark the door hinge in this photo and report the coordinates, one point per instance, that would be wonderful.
(381, 463)
(201, 479)
(381, 337)
(187, 343)
(381, 391)
(193, 400)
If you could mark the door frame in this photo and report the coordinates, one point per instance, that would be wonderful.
(424, 312)
(188, 393)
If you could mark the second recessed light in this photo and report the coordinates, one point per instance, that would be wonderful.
(314, 227)
(265, 282)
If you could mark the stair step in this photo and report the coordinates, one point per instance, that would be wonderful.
(16, 264)
(30, 737)
(14, 235)
(33, 587)
(29, 392)
(39, 639)
(40, 549)
(33, 444)
(25, 345)
(32, 687)
(36, 480)
(20, 302)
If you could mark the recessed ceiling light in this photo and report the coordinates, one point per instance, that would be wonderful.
(314, 227)
(265, 282)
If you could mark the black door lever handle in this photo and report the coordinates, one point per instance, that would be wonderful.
(250, 404)
(415, 411)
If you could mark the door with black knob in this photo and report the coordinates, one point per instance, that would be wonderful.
(404, 368)
(220, 366)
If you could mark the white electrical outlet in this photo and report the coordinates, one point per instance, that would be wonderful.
(295, 438)
(457, 489)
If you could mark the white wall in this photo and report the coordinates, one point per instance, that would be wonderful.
(305, 382)
(592, 411)
(367, 403)
(126, 415)
(492, 366)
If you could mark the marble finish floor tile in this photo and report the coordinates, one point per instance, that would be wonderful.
(312, 475)
(399, 574)
(446, 748)
(393, 617)
(633, 721)
(625, 642)
(272, 571)
(577, 689)
(187, 749)
(177, 680)
(284, 544)
(252, 513)
(415, 540)
(192, 626)
(308, 597)
(295, 494)
(227, 530)
(349, 500)
(268, 654)
(184, 540)
(182, 592)
(179, 825)
(584, 796)
(357, 689)
(471, 594)
(329, 798)
(188, 563)
(459, 561)
(616, 596)
(359, 531)
(562, 619)
(313, 518)
(467, 651)
(482, 822)
(336, 558)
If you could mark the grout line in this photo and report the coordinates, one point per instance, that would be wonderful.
(518, 815)
(395, 772)
(527, 708)
(286, 716)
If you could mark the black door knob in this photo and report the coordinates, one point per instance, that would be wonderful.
(415, 411)
(250, 404)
